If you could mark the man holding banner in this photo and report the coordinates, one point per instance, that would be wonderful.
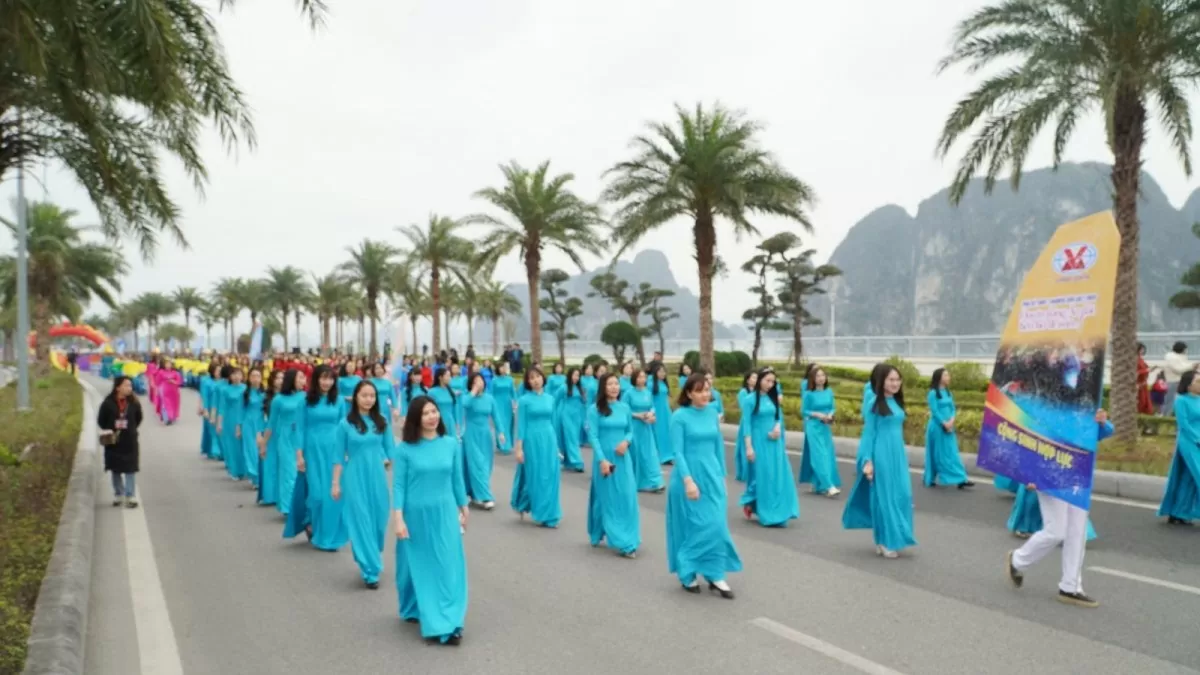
(1042, 420)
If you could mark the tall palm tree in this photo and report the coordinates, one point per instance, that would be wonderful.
(436, 250)
(368, 269)
(1064, 58)
(330, 293)
(289, 290)
(108, 88)
(706, 164)
(468, 305)
(407, 295)
(226, 299)
(540, 211)
(155, 307)
(64, 271)
(208, 315)
(189, 299)
(495, 302)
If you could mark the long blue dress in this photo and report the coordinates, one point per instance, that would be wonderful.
(479, 445)
(698, 539)
(818, 465)
(571, 415)
(385, 393)
(232, 411)
(216, 394)
(361, 454)
(942, 461)
(771, 491)
(450, 408)
(536, 482)
(207, 432)
(320, 423)
(346, 385)
(662, 420)
(625, 383)
(591, 387)
(1181, 499)
(287, 436)
(884, 504)
(718, 402)
(431, 565)
(644, 447)
(612, 501)
(253, 423)
(407, 394)
(745, 398)
(504, 393)
(1026, 514)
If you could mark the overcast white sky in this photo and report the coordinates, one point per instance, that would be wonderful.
(399, 108)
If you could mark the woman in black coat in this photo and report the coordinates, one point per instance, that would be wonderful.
(119, 418)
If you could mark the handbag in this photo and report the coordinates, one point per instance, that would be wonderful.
(109, 438)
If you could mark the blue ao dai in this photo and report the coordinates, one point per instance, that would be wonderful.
(1181, 499)
(571, 417)
(818, 465)
(698, 539)
(361, 454)
(385, 393)
(612, 501)
(253, 423)
(283, 423)
(216, 398)
(431, 565)
(644, 447)
(661, 395)
(321, 423)
(884, 504)
(479, 444)
(745, 399)
(232, 411)
(346, 385)
(206, 432)
(448, 406)
(504, 393)
(942, 462)
(771, 491)
(536, 482)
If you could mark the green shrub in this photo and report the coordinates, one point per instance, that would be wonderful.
(912, 376)
(593, 359)
(843, 373)
(967, 376)
(742, 363)
(31, 498)
(692, 358)
(8, 457)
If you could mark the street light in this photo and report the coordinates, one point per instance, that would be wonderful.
(22, 289)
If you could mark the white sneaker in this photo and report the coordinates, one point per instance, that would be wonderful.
(833, 492)
(488, 506)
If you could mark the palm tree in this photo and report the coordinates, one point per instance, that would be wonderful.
(255, 297)
(108, 88)
(64, 272)
(208, 315)
(155, 306)
(707, 165)
(368, 270)
(468, 305)
(436, 250)
(330, 293)
(226, 299)
(539, 211)
(495, 302)
(1064, 58)
(407, 295)
(188, 299)
(289, 291)
(315, 10)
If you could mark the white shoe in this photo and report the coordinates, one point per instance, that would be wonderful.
(722, 586)
(488, 506)
(833, 492)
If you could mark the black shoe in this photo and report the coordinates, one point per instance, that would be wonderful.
(411, 620)
(694, 588)
(1077, 599)
(454, 640)
(373, 585)
(1014, 575)
(728, 595)
(1172, 520)
(966, 484)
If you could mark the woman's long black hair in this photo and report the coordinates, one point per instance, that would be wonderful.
(246, 394)
(746, 380)
(214, 370)
(289, 381)
(812, 377)
(314, 386)
(471, 382)
(411, 433)
(529, 373)
(437, 382)
(935, 381)
(695, 381)
(572, 386)
(355, 417)
(654, 376)
(602, 402)
(1185, 382)
(773, 394)
(118, 380)
(269, 395)
(414, 378)
(878, 377)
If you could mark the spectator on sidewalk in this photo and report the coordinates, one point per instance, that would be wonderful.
(119, 417)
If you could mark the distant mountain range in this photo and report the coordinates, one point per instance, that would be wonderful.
(956, 270)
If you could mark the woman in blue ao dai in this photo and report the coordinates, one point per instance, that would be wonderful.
(818, 465)
(536, 483)
(448, 403)
(504, 392)
(347, 378)
(698, 539)
(385, 393)
(479, 441)
(208, 442)
(253, 423)
(268, 459)
(1181, 499)
(590, 383)
(216, 393)
(717, 403)
(323, 411)
(661, 393)
(412, 389)
(285, 438)
(230, 410)
(612, 501)
(745, 399)
(644, 446)
(557, 380)
(942, 462)
(881, 499)
(771, 491)
(363, 453)
(571, 416)
(430, 501)
(626, 379)
(685, 371)
(458, 380)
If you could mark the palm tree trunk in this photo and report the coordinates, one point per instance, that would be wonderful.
(297, 316)
(285, 309)
(1129, 135)
(446, 327)
(705, 239)
(412, 318)
(495, 334)
(435, 295)
(797, 345)
(662, 343)
(374, 310)
(533, 268)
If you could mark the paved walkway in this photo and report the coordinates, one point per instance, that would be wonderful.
(198, 581)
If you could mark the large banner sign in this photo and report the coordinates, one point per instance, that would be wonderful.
(256, 341)
(1039, 423)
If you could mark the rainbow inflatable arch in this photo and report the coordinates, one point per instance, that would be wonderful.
(66, 329)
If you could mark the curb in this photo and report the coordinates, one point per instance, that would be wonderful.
(1135, 486)
(57, 636)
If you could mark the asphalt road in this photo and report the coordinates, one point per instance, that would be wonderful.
(199, 581)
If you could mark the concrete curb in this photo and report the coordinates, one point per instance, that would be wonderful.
(57, 638)
(1133, 486)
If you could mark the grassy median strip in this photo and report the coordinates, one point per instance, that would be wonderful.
(37, 452)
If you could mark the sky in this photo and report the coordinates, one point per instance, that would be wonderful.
(402, 108)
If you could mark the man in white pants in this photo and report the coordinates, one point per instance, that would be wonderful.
(1065, 524)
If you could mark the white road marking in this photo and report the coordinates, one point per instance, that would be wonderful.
(155, 636)
(1146, 580)
(1119, 501)
(820, 646)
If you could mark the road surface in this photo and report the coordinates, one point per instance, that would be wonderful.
(199, 581)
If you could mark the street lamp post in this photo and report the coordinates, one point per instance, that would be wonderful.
(22, 290)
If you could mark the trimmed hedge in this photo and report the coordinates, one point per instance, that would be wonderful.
(31, 499)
